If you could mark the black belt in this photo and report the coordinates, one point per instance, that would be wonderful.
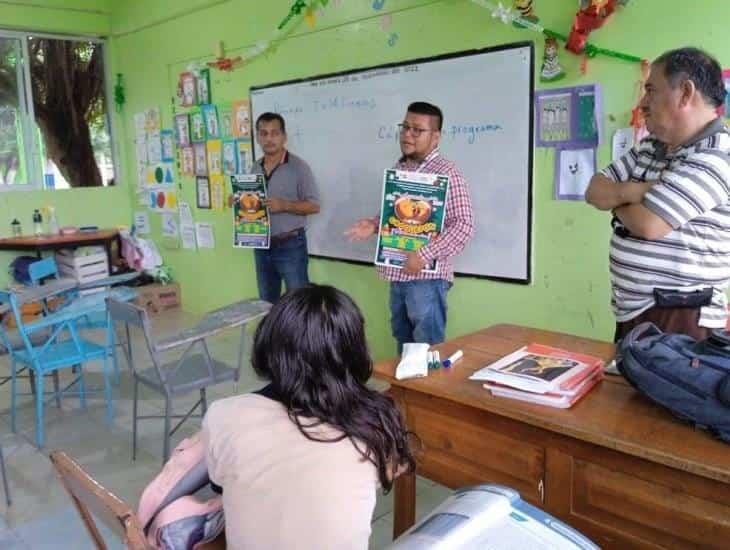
(283, 237)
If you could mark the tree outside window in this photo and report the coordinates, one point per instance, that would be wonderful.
(64, 116)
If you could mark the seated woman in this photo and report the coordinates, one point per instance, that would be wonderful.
(299, 461)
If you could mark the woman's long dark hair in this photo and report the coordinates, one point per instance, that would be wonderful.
(312, 348)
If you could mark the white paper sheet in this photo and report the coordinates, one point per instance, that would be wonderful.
(142, 223)
(169, 225)
(205, 235)
(623, 140)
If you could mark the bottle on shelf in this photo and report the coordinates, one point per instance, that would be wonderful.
(53, 227)
(37, 222)
(15, 228)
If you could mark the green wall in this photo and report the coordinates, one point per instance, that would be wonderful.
(154, 40)
(105, 207)
(57, 16)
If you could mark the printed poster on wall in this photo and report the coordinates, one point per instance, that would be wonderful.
(250, 216)
(241, 119)
(412, 213)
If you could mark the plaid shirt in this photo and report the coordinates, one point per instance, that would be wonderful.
(458, 222)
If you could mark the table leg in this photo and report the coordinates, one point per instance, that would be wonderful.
(108, 248)
(404, 513)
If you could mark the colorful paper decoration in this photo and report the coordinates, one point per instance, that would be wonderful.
(203, 84)
(296, 9)
(168, 147)
(182, 130)
(187, 161)
(526, 11)
(551, 68)
(210, 116)
(202, 188)
(507, 16)
(197, 127)
(214, 157)
(241, 118)
(568, 117)
(200, 159)
(119, 98)
(223, 63)
(591, 16)
(187, 89)
(637, 122)
(229, 157)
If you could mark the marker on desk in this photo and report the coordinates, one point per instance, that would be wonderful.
(453, 359)
(436, 359)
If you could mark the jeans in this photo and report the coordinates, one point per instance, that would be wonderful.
(418, 311)
(285, 261)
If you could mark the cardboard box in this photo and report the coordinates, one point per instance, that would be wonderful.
(157, 298)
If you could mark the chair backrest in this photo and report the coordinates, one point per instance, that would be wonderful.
(42, 269)
(132, 315)
(92, 501)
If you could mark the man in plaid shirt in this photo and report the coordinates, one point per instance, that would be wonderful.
(417, 299)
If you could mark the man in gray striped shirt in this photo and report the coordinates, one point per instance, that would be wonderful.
(670, 249)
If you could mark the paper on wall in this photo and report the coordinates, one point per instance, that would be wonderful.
(204, 235)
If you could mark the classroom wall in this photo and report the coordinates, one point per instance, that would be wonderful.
(569, 292)
(106, 207)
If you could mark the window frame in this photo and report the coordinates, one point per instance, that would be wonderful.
(34, 163)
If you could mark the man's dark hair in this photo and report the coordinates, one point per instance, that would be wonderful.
(423, 108)
(269, 117)
(699, 67)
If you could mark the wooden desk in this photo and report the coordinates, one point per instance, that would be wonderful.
(616, 467)
(39, 243)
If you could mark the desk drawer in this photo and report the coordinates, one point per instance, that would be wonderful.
(628, 503)
(466, 447)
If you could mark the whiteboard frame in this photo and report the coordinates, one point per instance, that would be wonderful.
(531, 138)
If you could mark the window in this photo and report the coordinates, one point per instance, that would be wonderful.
(54, 122)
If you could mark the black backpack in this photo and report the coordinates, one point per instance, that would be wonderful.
(690, 378)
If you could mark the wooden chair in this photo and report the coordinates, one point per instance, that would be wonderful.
(92, 501)
(90, 497)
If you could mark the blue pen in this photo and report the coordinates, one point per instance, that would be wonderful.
(453, 359)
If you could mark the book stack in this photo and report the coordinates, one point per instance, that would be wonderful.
(542, 374)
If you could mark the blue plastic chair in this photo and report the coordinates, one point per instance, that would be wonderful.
(62, 348)
(47, 268)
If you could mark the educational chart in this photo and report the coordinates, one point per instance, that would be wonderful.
(250, 217)
(345, 126)
(411, 214)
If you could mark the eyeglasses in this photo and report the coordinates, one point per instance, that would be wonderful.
(404, 128)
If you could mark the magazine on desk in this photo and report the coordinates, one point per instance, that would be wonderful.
(541, 369)
(559, 401)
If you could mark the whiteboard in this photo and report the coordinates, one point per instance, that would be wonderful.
(345, 126)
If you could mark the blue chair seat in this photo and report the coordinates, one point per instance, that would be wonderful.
(60, 354)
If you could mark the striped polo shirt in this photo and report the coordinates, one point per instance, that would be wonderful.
(692, 196)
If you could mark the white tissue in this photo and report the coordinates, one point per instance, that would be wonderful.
(413, 363)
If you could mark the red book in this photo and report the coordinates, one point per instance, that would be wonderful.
(560, 401)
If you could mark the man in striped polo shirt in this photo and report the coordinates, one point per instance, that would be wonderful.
(418, 299)
(670, 249)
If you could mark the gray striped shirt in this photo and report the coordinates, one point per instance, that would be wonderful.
(692, 196)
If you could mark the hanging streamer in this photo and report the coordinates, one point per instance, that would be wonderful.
(508, 16)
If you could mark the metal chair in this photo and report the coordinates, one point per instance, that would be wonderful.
(190, 373)
(8, 500)
(62, 348)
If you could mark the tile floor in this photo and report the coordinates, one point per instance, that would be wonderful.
(42, 516)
